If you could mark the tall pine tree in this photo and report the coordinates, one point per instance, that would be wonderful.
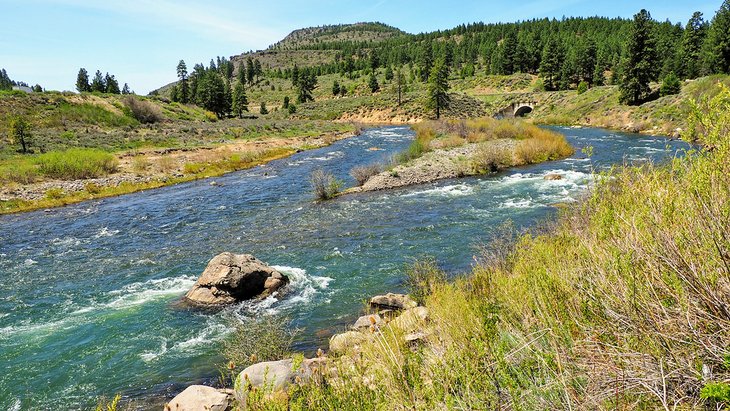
(82, 81)
(639, 63)
(693, 39)
(183, 86)
(438, 88)
(718, 41)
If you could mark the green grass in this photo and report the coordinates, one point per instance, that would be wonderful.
(76, 163)
(621, 304)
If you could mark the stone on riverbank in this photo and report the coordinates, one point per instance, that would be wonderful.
(199, 397)
(392, 301)
(230, 278)
(276, 376)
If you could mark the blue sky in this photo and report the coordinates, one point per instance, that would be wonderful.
(141, 41)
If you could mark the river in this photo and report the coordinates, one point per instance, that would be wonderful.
(88, 291)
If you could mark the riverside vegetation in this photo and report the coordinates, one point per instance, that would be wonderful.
(457, 148)
(366, 72)
(620, 304)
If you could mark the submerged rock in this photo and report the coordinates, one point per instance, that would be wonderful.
(230, 278)
(200, 397)
(553, 177)
(392, 301)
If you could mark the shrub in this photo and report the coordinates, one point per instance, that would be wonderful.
(361, 174)
(92, 188)
(422, 277)
(670, 85)
(166, 164)
(542, 145)
(76, 163)
(582, 87)
(54, 193)
(144, 111)
(490, 157)
(19, 172)
(267, 338)
(140, 164)
(324, 184)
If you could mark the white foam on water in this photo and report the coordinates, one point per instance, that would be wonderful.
(211, 333)
(456, 190)
(106, 232)
(146, 291)
(153, 355)
(33, 328)
(518, 203)
(28, 262)
(66, 241)
(303, 286)
(15, 406)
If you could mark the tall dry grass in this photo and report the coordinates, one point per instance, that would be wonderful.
(623, 304)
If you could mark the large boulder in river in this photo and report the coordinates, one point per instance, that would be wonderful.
(200, 397)
(230, 278)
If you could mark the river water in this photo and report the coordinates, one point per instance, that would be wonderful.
(88, 292)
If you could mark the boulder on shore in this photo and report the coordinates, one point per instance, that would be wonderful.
(276, 376)
(199, 397)
(392, 301)
(230, 278)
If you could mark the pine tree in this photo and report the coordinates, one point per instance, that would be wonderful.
(693, 39)
(257, 71)
(399, 79)
(112, 85)
(211, 93)
(335, 88)
(388, 74)
(241, 75)
(306, 84)
(82, 81)
(295, 75)
(184, 87)
(552, 56)
(639, 65)
(125, 89)
(718, 41)
(373, 83)
(97, 84)
(240, 100)
(263, 110)
(37, 88)
(286, 103)
(438, 88)
(250, 71)
(175, 93)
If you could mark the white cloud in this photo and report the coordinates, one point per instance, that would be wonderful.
(196, 17)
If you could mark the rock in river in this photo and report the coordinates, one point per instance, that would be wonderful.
(230, 278)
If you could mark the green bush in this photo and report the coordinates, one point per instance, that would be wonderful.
(76, 163)
(324, 184)
(670, 85)
(582, 87)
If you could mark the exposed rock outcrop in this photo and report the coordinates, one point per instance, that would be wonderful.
(230, 278)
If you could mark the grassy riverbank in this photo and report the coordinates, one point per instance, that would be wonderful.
(93, 146)
(621, 304)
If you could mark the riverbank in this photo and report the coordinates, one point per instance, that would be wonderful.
(155, 168)
(457, 148)
(621, 305)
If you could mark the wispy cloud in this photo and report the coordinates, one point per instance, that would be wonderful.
(194, 17)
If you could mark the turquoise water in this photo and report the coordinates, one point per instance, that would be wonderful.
(88, 292)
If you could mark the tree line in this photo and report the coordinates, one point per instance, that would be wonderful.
(6, 83)
(99, 83)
